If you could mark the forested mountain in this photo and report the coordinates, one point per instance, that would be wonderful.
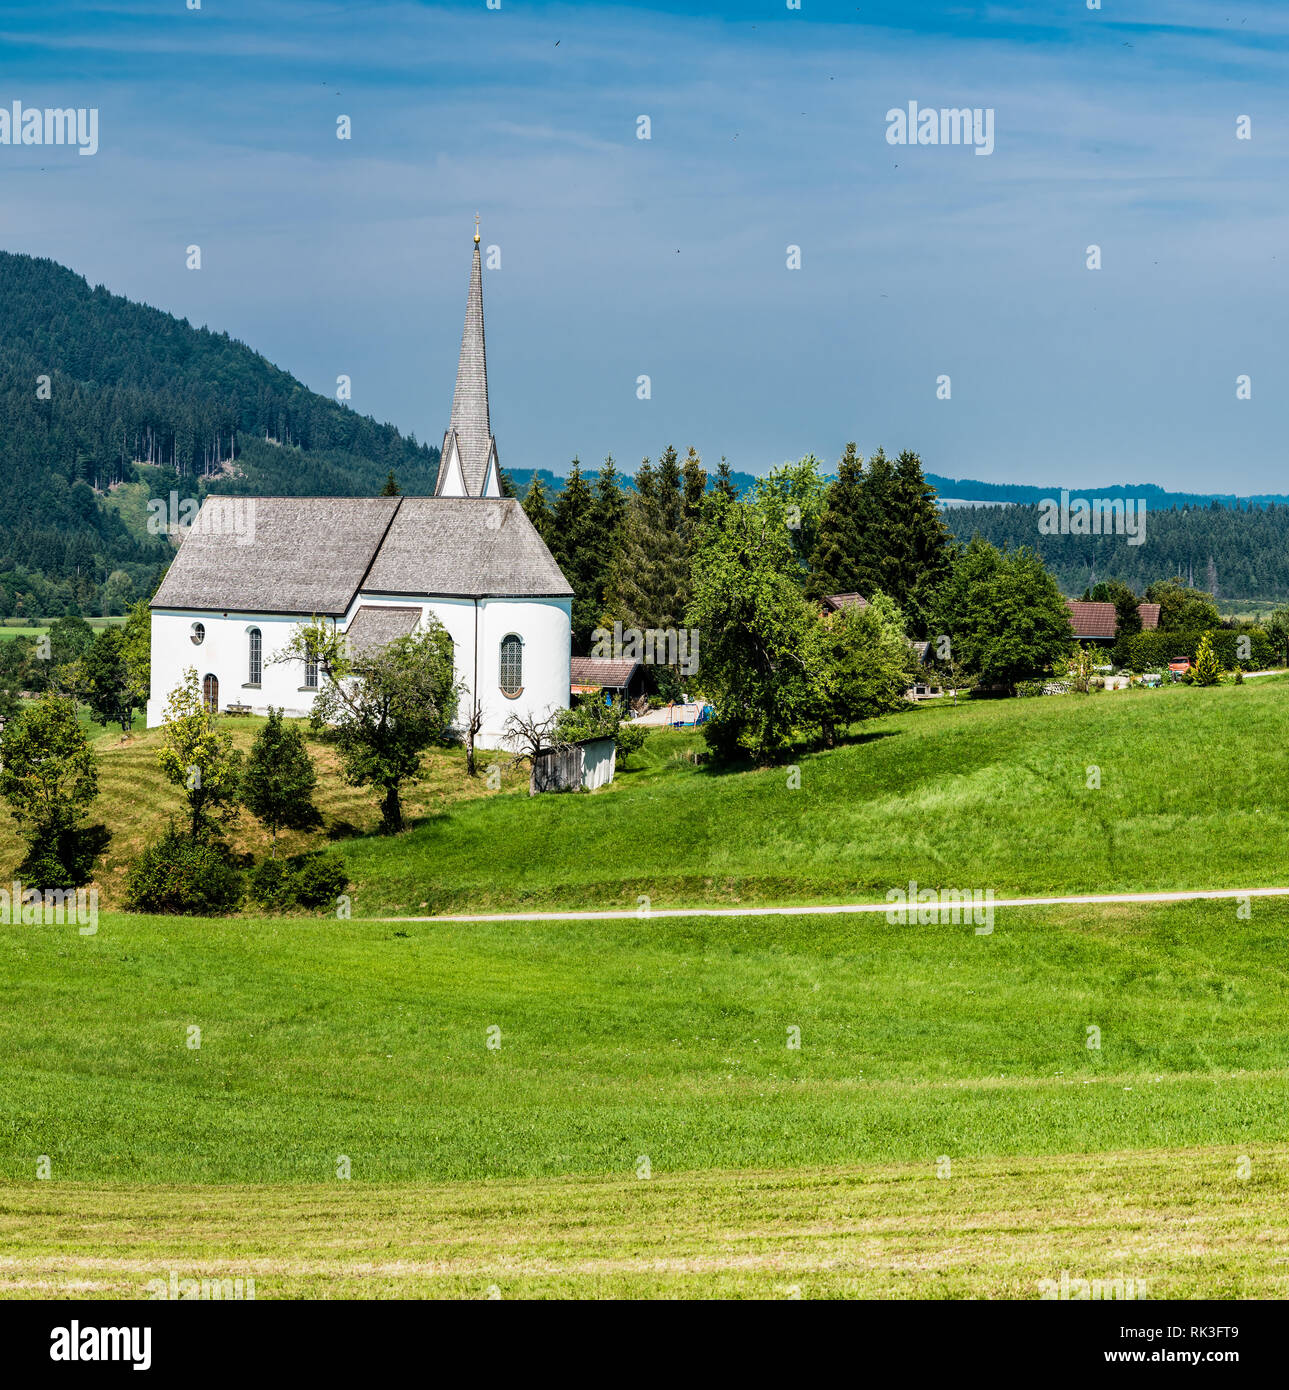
(971, 490)
(92, 386)
(1231, 552)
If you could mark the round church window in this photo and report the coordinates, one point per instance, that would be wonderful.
(198, 634)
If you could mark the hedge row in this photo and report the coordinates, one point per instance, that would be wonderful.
(1148, 651)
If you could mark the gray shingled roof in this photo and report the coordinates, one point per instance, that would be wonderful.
(305, 555)
(464, 546)
(313, 554)
(470, 423)
(372, 627)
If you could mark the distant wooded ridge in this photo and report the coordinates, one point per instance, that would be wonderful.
(972, 490)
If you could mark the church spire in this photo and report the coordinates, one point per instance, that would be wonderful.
(469, 437)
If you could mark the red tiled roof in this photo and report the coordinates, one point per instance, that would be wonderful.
(1091, 619)
(603, 671)
(835, 601)
(1100, 619)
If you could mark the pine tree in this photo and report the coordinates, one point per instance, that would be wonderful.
(724, 483)
(878, 567)
(279, 781)
(572, 550)
(538, 512)
(391, 488)
(649, 583)
(922, 542)
(608, 517)
(694, 483)
(837, 562)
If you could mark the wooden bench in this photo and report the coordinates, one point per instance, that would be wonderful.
(237, 709)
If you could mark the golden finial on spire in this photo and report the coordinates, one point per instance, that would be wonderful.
(476, 229)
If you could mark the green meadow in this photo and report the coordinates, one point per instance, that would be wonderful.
(658, 1048)
(1190, 790)
(620, 1108)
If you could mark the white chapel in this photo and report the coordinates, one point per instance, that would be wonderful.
(377, 568)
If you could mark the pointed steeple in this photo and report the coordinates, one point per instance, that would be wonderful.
(468, 466)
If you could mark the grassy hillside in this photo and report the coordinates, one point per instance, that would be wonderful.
(666, 1040)
(989, 794)
(1194, 792)
(136, 802)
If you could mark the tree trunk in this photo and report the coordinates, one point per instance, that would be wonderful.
(391, 811)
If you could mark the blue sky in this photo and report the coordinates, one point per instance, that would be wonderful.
(667, 257)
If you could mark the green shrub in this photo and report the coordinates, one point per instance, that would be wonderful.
(178, 874)
(320, 880)
(1145, 651)
(272, 883)
(314, 880)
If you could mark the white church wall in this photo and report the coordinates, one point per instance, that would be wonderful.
(542, 624)
(544, 627)
(224, 652)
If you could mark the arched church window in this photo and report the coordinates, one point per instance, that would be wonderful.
(256, 663)
(512, 665)
(210, 693)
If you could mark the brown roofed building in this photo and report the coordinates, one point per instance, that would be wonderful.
(1098, 622)
(619, 678)
(833, 603)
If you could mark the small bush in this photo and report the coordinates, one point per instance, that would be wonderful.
(178, 874)
(314, 880)
(272, 883)
(320, 880)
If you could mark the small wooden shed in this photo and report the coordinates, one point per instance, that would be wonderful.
(588, 764)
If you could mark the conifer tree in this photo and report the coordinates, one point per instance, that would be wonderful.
(608, 516)
(649, 584)
(1207, 669)
(279, 781)
(538, 512)
(724, 483)
(572, 549)
(694, 485)
(391, 488)
(878, 567)
(921, 543)
(837, 562)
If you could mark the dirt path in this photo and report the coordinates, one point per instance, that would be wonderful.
(825, 909)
